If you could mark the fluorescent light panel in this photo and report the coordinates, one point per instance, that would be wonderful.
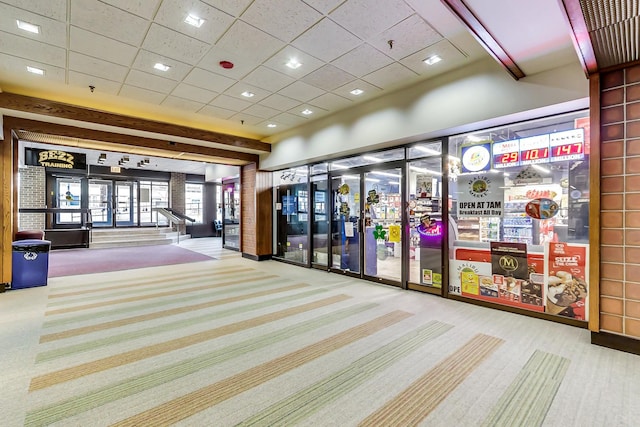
(194, 20)
(293, 64)
(26, 26)
(433, 59)
(35, 70)
(161, 67)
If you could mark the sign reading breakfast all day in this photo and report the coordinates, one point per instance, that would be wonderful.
(58, 159)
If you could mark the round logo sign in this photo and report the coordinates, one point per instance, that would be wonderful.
(541, 208)
(476, 158)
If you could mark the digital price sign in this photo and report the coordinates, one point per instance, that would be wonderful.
(554, 147)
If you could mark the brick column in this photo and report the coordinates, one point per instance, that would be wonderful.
(256, 213)
(32, 195)
(177, 195)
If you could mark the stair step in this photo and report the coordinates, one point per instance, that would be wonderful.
(120, 237)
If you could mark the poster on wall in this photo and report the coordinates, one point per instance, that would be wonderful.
(567, 280)
(464, 276)
(509, 269)
(424, 186)
(481, 195)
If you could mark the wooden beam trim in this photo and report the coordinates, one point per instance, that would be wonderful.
(580, 37)
(125, 140)
(491, 45)
(46, 107)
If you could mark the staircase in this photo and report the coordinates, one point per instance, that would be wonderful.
(119, 237)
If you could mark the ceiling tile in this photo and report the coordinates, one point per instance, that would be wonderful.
(12, 65)
(172, 14)
(232, 7)
(262, 111)
(248, 119)
(249, 41)
(108, 21)
(145, 61)
(365, 21)
(229, 103)
(268, 79)
(362, 60)
(220, 113)
(97, 67)
(409, 36)
(35, 50)
(237, 89)
(149, 81)
(392, 75)
(51, 31)
(279, 102)
(278, 62)
(54, 9)
(328, 78)
(369, 90)
(207, 80)
(143, 8)
(242, 65)
(141, 94)
(100, 85)
(93, 44)
(326, 40)
(324, 6)
(331, 102)
(172, 44)
(301, 91)
(182, 104)
(284, 19)
(289, 119)
(451, 57)
(193, 93)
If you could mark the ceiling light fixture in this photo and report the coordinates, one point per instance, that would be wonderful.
(194, 20)
(306, 112)
(356, 92)
(161, 67)
(272, 125)
(35, 70)
(433, 59)
(293, 64)
(248, 94)
(32, 28)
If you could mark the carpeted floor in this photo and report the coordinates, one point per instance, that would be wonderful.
(232, 342)
(72, 262)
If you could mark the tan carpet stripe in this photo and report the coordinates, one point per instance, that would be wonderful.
(165, 313)
(178, 278)
(528, 398)
(199, 400)
(415, 403)
(151, 296)
(64, 375)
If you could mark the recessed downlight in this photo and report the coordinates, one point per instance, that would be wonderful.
(26, 26)
(161, 67)
(248, 94)
(272, 125)
(293, 64)
(433, 59)
(306, 112)
(194, 20)
(356, 92)
(34, 70)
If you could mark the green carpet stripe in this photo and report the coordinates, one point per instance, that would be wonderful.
(158, 283)
(143, 297)
(528, 398)
(99, 286)
(101, 365)
(128, 387)
(73, 319)
(415, 403)
(305, 402)
(189, 404)
(163, 313)
(184, 323)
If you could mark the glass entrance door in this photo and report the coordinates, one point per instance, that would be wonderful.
(345, 225)
(100, 202)
(125, 204)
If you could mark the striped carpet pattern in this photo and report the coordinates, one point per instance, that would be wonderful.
(232, 342)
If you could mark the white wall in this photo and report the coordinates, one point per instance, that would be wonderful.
(478, 96)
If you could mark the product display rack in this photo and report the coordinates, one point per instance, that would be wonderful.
(517, 226)
(489, 229)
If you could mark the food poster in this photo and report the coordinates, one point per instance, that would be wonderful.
(567, 275)
(464, 276)
(424, 186)
(480, 195)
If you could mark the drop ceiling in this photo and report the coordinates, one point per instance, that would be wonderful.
(102, 53)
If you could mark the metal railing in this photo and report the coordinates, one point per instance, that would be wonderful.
(172, 218)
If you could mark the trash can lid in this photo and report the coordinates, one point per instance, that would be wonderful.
(31, 245)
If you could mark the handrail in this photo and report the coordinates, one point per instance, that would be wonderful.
(173, 219)
(180, 215)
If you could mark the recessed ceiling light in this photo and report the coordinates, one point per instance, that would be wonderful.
(248, 94)
(194, 20)
(432, 60)
(35, 70)
(272, 125)
(357, 92)
(293, 64)
(32, 28)
(161, 67)
(306, 112)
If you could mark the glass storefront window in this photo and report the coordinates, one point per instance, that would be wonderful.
(292, 214)
(194, 201)
(519, 198)
(367, 159)
(69, 197)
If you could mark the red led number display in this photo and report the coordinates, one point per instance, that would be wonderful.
(535, 154)
(507, 158)
(568, 149)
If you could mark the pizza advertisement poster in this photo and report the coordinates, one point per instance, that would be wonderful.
(567, 280)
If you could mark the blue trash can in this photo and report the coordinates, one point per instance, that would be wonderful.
(30, 263)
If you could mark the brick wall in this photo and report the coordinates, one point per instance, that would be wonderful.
(256, 212)
(620, 202)
(32, 195)
(177, 193)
